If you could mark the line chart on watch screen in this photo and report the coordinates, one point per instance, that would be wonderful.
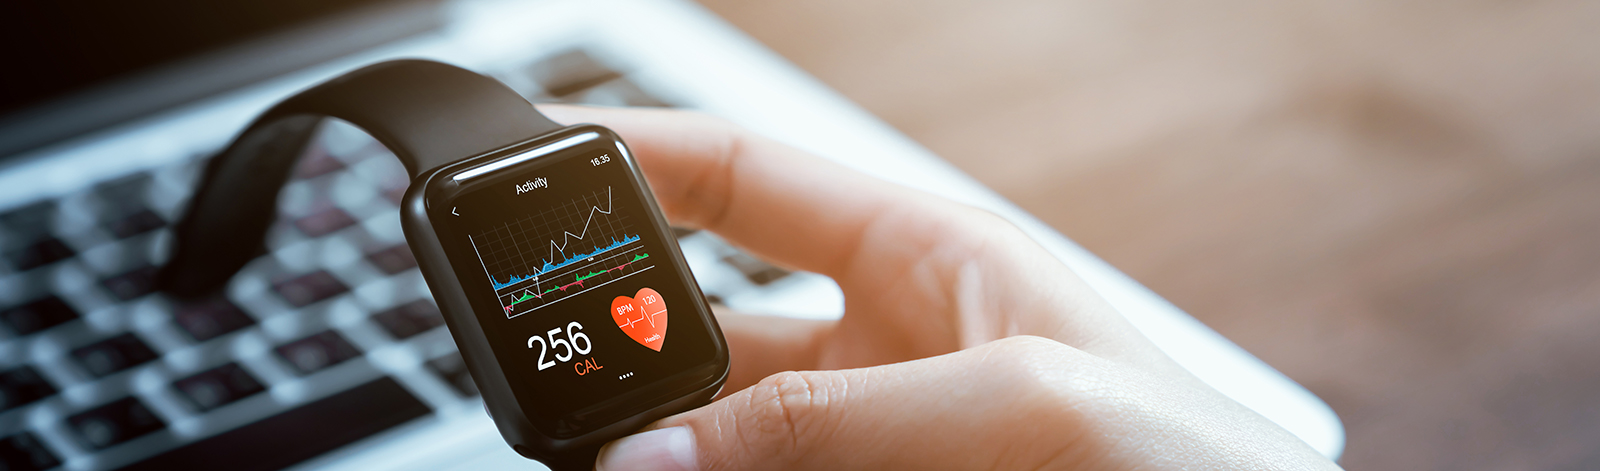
(540, 259)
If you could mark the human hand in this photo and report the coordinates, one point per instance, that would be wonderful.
(963, 344)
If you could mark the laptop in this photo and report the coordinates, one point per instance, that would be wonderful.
(327, 352)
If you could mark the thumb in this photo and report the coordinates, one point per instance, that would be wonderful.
(950, 411)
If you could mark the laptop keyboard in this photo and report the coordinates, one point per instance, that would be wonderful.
(332, 332)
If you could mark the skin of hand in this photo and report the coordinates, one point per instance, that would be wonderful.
(964, 344)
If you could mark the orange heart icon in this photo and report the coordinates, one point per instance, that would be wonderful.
(643, 317)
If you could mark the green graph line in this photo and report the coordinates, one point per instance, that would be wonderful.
(579, 282)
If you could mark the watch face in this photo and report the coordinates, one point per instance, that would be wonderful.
(574, 277)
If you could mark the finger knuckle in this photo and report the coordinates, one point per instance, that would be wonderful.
(1030, 348)
(1031, 364)
(787, 408)
(1055, 382)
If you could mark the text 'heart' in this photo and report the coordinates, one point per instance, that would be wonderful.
(643, 317)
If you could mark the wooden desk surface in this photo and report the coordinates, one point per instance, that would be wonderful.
(1395, 203)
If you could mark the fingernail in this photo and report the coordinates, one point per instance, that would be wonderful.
(668, 449)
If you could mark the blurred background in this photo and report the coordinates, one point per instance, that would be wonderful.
(1395, 203)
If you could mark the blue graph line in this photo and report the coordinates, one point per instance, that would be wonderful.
(514, 279)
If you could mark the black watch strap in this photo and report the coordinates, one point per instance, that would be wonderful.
(427, 113)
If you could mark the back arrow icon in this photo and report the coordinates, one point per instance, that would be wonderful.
(453, 211)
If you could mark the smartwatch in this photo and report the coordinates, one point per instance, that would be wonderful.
(557, 274)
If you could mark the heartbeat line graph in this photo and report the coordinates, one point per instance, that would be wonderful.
(588, 242)
(528, 295)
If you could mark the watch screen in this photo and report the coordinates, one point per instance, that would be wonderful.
(570, 274)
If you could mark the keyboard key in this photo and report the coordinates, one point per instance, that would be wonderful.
(569, 72)
(324, 222)
(299, 434)
(139, 222)
(218, 386)
(114, 423)
(114, 354)
(207, 319)
(132, 284)
(28, 223)
(754, 269)
(454, 371)
(396, 195)
(38, 315)
(311, 354)
(310, 288)
(126, 194)
(393, 259)
(22, 386)
(317, 162)
(410, 319)
(43, 252)
(24, 452)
